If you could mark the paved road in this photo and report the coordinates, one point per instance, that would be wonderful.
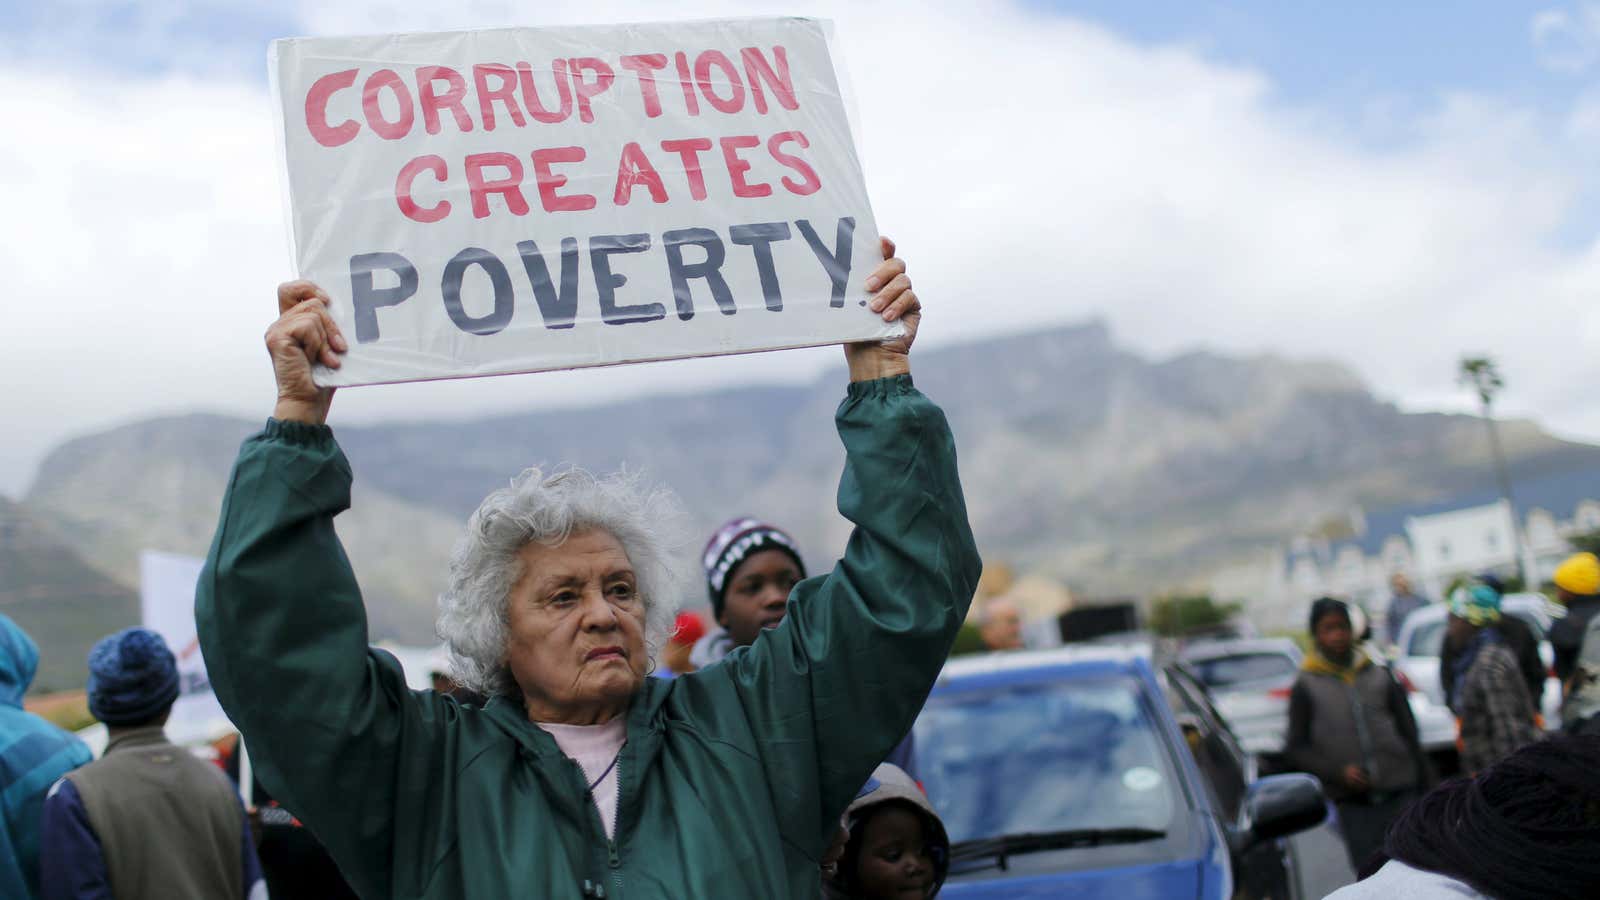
(1321, 862)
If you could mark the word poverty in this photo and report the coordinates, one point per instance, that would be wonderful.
(493, 96)
(557, 298)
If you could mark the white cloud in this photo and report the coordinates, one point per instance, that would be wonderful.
(1035, 170)
(1567, 40)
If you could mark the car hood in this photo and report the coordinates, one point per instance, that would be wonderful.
(1160, 881)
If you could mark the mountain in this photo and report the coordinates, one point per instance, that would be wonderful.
(63, 603)
(1079, 458)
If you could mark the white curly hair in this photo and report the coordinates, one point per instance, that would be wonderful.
(535, 507)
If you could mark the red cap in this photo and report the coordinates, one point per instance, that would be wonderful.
(688, 628)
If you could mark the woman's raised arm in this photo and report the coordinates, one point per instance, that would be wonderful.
(330, 726)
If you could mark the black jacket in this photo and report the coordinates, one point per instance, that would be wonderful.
(1566, 635)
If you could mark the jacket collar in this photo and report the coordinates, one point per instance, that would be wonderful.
(510, 717)
(1317, 664)
(536, 746)
(148, 736)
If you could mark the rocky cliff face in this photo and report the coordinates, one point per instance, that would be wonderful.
(1079, 458)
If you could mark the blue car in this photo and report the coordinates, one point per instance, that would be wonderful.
(1084, 773)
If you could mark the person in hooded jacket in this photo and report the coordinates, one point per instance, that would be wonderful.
(580, 776)
(895, 846)
(33, 755)
(1351, 726)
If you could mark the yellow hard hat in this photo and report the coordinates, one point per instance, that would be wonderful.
(1580, 574)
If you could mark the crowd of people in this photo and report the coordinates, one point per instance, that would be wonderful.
(147, 819)
(589, 741)
(1351, 725)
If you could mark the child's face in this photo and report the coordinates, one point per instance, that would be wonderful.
(1333, 636)
(894, 861)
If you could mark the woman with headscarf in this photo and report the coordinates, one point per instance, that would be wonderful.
(580, 776)
(1351, 726)
(1485, 689)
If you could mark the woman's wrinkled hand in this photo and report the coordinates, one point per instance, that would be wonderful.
(893, 299)
(303, 335)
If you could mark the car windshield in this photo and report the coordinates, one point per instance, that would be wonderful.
(1019, 759)
(1428, 639)
(1225, 671)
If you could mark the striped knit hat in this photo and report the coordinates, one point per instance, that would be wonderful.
(734, 542)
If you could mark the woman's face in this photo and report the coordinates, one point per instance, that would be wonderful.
(757, 594)
(894, 860)
(576, 647)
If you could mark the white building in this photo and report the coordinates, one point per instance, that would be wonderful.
(1433, 545)
(1447, 545)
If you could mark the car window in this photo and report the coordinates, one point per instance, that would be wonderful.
(1428, 639)
(1215, 750)
(1223, 671)
(1085, 753)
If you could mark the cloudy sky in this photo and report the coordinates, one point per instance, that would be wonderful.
(1388, 187)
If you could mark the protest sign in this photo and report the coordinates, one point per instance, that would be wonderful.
(525, 199)
(166, 606)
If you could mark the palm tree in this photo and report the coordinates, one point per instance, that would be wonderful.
(1481, 374)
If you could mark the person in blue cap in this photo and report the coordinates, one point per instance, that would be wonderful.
(33, 755)
(148, 819)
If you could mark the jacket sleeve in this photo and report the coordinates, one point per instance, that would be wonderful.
(1532, 666)
(1448, 653)
(1298, 748)
(331, 728)
(249, 862)
(1406, 724)
(71, 866)
(831, 690)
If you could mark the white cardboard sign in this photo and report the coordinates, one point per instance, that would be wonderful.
(525, 199)
(166, 606)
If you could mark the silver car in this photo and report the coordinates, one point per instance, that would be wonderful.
(1249, 682)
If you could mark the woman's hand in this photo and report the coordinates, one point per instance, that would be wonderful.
(303, 335)
(895, 301)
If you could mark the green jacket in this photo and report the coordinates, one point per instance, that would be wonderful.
(732, 779)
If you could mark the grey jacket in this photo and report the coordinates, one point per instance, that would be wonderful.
(1334, 723)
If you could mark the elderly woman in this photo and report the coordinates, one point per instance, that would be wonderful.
(580, 777)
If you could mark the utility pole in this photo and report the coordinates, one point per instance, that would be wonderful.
(1481, 374)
